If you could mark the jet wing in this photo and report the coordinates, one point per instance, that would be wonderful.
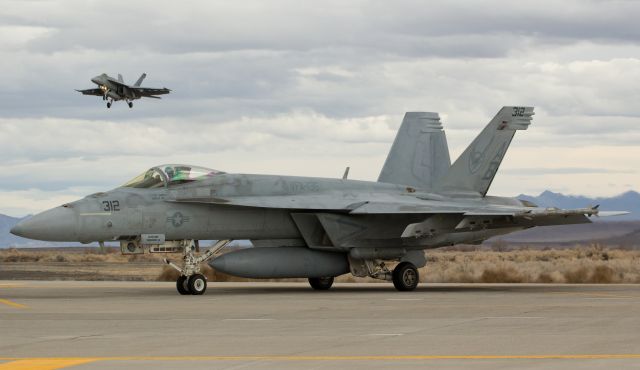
(96, 92)
(319, 201)
(149, 92)
(362, 205)
(432, 208)
(356, 205)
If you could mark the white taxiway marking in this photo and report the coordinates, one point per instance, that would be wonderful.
(513, 317)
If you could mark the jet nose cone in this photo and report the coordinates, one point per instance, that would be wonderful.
(56, 224)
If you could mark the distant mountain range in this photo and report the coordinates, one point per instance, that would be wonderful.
(614, 229)
(6, 238)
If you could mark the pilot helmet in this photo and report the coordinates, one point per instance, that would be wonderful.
(169, 171)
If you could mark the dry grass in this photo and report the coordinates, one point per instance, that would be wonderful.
(63, 255)
(594, 264)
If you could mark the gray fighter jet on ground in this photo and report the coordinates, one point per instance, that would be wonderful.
(315, 228)
(113, 90)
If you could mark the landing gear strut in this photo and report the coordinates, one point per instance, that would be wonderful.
(191, 280)
(404, 276)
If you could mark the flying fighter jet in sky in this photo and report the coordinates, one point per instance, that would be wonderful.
(113, 90)
(315, 228)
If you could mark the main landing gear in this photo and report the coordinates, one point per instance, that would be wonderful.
(405, 277)
(191, 280)
(130, 104)
(321, 283)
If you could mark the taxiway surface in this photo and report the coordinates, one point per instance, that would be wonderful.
(106, 325)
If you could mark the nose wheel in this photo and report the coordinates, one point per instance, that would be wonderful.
(181, 285)
(130, 104)
(197, 284)
(191, 280)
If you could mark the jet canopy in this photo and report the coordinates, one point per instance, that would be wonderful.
(170, 174)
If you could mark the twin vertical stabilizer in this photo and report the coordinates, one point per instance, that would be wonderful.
(419, 155)
(475, 169)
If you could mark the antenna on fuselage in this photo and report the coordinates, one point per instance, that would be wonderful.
(346, 173)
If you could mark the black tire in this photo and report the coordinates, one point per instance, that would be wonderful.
(130, 104)
(321, 283)
(181, 285)
(108, 105)
(405, 277)
(197, 284)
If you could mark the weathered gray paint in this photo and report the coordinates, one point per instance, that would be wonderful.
(371, 219)
(419, 155)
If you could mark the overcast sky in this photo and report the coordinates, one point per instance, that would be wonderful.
(307, 88)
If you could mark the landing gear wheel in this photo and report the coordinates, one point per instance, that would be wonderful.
(108, 105)
(181, 285)
(197, 284)
(321, 283)
(130, 104)
(405, 277)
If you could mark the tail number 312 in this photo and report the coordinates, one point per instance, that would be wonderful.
(110, 205)
(518, 112)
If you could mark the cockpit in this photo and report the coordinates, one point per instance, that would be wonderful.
(169, 175)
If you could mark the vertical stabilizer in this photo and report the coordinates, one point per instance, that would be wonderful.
(475, 169)
(419, 155)
(120, 79)
(139, 82)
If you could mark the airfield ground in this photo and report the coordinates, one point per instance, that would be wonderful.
(147, 325)
(582, 264)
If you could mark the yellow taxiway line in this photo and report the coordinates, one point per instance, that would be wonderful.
(63, 362)
(12, 303)
(44, 363)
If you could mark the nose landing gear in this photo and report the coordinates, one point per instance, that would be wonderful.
(191, 280)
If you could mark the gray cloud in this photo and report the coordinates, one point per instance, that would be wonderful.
(562, 171)
(307, 88)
